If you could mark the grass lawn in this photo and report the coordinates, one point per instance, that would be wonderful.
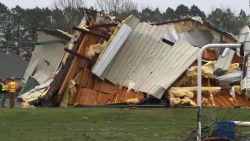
(105, 124)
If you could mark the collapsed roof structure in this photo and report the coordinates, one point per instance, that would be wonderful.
(221, 70)
(113, 62)
(45, 60)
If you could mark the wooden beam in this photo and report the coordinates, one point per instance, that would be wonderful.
(103, 25)
(76, 54)
(92, 33)
(59, 78)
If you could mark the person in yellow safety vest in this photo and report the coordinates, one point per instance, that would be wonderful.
(12, 88)
(4, 92)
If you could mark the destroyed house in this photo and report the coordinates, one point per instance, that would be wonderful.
(109, 61)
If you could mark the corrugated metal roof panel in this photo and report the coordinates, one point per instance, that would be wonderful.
(127, 48)
(41, 77)
(45, 58)
(112, 49)
(148, 62)
(114, 46)
(171, 34)
(208, 25)
(197, 37)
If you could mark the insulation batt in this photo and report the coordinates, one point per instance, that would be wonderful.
(207, 70)
(234, 68)
(175, 102)
(181, 93)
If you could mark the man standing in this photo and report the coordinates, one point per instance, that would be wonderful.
(12, 88)
(3, 91)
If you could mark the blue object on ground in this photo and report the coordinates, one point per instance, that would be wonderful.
(226, 129)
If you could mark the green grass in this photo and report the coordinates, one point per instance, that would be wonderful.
(105, 124)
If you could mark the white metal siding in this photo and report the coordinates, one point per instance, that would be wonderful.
(51, 53)
(170, 34)
(224, 62)
(112, 49)
(148, 62)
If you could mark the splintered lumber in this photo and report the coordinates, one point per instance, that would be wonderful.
(76, 54)
(73, 66)
(108, 25)
(66, 60)
(91, 32)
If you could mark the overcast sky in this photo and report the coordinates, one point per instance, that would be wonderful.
(205, 5)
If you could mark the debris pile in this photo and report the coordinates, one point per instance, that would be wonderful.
(108, 61)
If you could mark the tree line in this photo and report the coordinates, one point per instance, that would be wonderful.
(19, 25)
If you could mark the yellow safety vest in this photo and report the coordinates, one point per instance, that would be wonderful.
(3, 87)
(12, 87)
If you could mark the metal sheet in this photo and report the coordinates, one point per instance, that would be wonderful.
(197, 37)
(41, 77)
(45, 58)
(30, 84)
(36, 92)
(148, 63)
(223, 63)
(232, 77)
(170, 34)
(112, 49)
(244, 37)
(248, 74)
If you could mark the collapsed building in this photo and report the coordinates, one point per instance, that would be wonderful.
(108, 61)
(222, 69)
(45, 60)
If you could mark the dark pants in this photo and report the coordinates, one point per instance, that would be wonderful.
(12, 99)
(3, 97)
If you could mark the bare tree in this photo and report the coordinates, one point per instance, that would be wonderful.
(116, 7)
(74, 4)
(68, 13)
